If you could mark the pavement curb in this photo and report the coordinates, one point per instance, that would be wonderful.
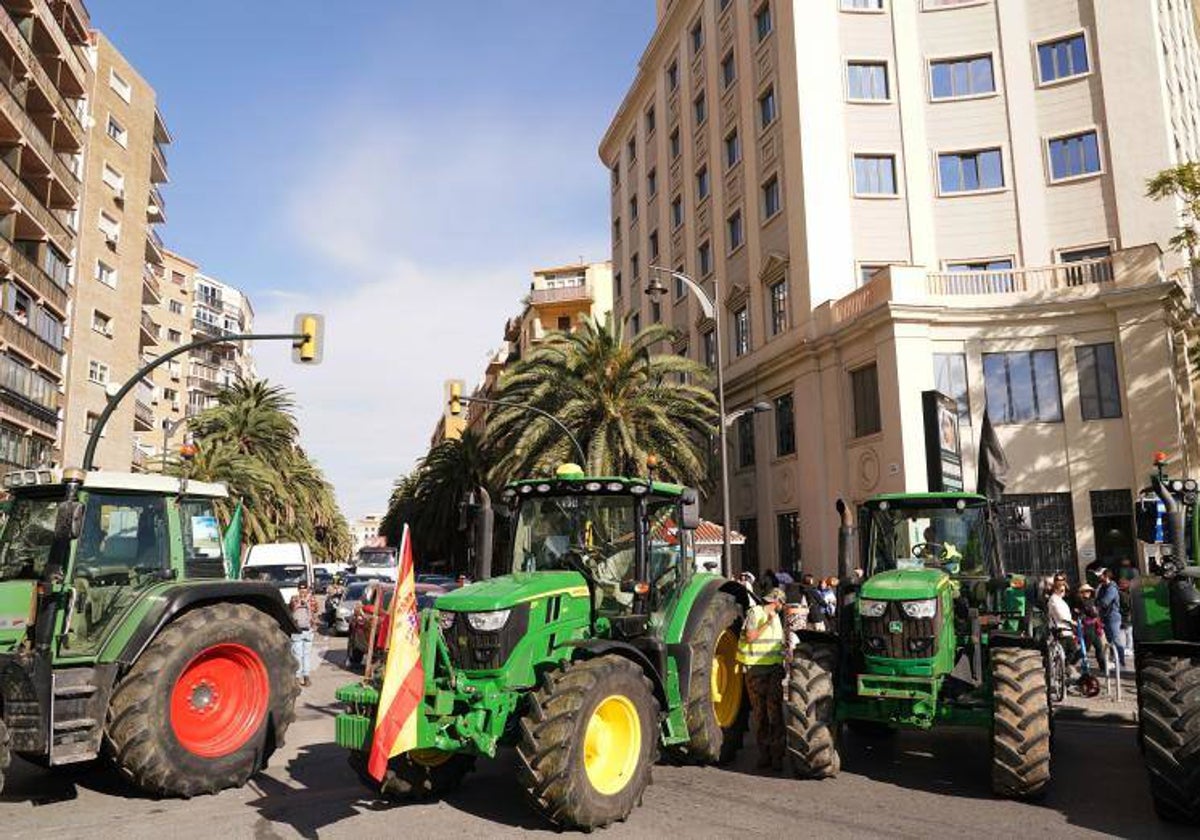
(1076, 714)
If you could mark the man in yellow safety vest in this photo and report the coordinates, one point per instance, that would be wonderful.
(760, 653)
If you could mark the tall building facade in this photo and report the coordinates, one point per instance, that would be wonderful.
(44, 83)
(118, 285)
(903, 196)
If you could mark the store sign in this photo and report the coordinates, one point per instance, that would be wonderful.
(943, 444)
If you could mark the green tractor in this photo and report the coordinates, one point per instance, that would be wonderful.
(119, 634)
(935, 634)
(597, 646)
(1166, 633)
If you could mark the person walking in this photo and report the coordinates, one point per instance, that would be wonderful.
(1126, 613)
(760, 653)
(815, 601)
(1108, 603)
(303, 608)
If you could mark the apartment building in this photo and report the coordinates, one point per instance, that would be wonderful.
(195, 306)
(907, 196)
(119, 284)
(44, 83)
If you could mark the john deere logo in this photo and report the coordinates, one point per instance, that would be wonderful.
(896, 627)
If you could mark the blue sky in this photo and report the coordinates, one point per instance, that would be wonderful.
(400, 166)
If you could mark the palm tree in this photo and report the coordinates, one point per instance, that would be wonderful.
(621, 401)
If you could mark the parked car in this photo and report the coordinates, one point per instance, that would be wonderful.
(337, 618)
(321, 580)
(364, 610)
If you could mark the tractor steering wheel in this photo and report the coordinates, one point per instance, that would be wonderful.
(927, 549)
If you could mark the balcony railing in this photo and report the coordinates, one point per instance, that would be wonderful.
(33, 205)
(33, 276)
(561, 294)
(199, 383)
(151, 329)
(143, 415)
(159, 174)
(156, 209)
(28, 343)
(151, 285)
(12, 95)
(1021, 280)
(66, 113)
(66, 51)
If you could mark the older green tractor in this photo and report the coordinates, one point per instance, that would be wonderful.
(1166, 633)
(935, 634)
(598, 646)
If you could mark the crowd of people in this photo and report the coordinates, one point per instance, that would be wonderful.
(1088, 619)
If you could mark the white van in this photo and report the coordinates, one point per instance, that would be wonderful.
(284, 564)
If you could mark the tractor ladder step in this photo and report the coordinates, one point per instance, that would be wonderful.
(75, 725)
(82, 690)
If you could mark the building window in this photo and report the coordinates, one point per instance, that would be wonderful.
(1074, 155)
(960, 172)
(673, 76)
(697, 37)
(174, 335)
(655, 311)
(702, 184)
(635, 323)
(787, 528)
(772, 203)
(864, 391)
(89, 423)
(728, 70)
(867, 81)
(1062, 59)
(176, 307)
(653, 246)
(116, 131)
(676, 211)
(110, 227)
(101, 323)
(862, 5)
(766, 107)
(650, 121)
(700, 109)
(867, 271)
(875, 175)
(616, 231)
(633, 208)
(709, 346)
(1113, 525)
(564, 323)
(981, 265)
(98, 372)
(675, 147)
(1099, 389)
(748, 528)
(785, 426)
(652, 183)
(745, 434)
(616, 176)
(106, 274)
(741, 332)
(631, 149)
(762, 22)
(113, 179)
(680, 289)
(956, 78)
(617, 285)
(1022, 387)
(635, 267)
(779, 306)
(122, 87)
(733, 149)
(734, 231)
(704, 258)
(950, 377)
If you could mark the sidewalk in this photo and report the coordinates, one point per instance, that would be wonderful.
(1104, 707)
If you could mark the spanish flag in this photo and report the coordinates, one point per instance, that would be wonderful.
(403, 676)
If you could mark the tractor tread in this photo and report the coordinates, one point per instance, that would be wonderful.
(5, 752)
(1020, 723)
(812, 731)
(709, 743)
(1169, 691)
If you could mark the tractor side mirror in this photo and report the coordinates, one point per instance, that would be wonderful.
(689, 513)
(68, 522)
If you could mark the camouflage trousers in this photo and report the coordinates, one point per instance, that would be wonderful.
(764, 687)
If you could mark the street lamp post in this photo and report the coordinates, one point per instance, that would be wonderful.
(707, 305)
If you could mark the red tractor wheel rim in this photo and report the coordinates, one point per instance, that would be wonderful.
(219, 700)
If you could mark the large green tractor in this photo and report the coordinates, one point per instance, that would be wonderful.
(936, 634)
(598, 646)
(120, 636)
(1166, 635)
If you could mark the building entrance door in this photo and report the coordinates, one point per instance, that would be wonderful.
(1037, 535)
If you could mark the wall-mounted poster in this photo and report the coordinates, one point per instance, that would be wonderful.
(943, 443)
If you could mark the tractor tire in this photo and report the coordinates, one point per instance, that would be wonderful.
(718, 713)
(588, 742)
(416, 776)
(1020, 723)
(1170, 721)
(354, 656)
(5, 753)
(206, 704)
(813, 732)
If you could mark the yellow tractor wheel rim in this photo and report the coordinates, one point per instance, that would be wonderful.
(726, 681)
(612, 744)
(429, 758)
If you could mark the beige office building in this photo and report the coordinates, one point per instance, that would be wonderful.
(118, 284)
(43, 88)
(902, 195)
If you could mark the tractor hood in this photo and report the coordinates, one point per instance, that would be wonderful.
(16, 605)
(500, 593)
(905, 584)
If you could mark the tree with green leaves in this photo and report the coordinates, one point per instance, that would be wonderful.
(621, 400)
(1181, 183)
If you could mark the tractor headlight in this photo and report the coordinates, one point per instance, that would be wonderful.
(871, 609)
(926, 608)
(488, 622)
(445, 620)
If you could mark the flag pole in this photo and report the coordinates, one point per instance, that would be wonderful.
(369, 670)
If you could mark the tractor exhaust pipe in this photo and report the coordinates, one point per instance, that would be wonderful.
(847, 541)
(484, 526)
(1177, 515)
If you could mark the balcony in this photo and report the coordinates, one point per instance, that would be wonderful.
(32, 206)
(58, 103)
(204, 328)
(151, 288)
(12, 106)
(150, 331)
(57, 28)
(26, 342)
(33, 277)
(561, 294)
(156, 209)
(143, 416)
(158, 165)
(154, 247)
(203, 384)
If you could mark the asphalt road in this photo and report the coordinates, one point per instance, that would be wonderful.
(916, 785)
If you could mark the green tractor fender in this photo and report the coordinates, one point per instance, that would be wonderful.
(162, 608)
(592, 648)
(687, 615)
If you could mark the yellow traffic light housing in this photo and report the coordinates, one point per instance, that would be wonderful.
(455, 397)
(309, 348)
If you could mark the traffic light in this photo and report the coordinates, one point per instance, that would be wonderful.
(309, 349)
(455, 397)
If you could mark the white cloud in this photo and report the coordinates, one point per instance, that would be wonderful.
(426, 247)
